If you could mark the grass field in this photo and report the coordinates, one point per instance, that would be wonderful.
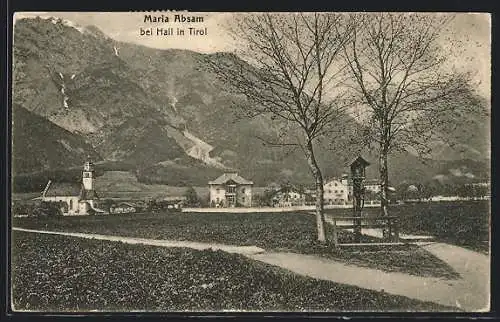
(59, 273)
(274, 231)
(463, 223)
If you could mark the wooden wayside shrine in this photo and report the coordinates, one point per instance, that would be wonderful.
(389, 224)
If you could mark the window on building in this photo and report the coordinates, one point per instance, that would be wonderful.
(243, 190)
(336, 191)
(329, 191)
(335, 184)
(231, 189)
(71, 204)
(243, 199)
(218, 190)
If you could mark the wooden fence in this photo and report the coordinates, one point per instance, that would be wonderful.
(390, 223)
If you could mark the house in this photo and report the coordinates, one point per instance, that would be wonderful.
(230, 190)
(478, 184)
(79, 198)
(174, 202)
(337, 191)
(123, 208)
(287, 197)
(372, 185)
(340, 191)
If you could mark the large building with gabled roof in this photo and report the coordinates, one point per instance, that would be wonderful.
(230, 190)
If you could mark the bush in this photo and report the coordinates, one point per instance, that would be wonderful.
(160, 206)
(264, 199)
(23, 208)
(51, 208)
(192, 199)
(205, 202)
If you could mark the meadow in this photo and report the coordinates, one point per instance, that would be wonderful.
(462, 223)
(289, 232)
(63, 274)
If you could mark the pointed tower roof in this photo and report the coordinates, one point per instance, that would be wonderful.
(358, 160)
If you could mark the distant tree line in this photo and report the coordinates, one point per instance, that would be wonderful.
(430, 189)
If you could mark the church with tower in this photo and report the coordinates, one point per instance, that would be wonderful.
(79, 198)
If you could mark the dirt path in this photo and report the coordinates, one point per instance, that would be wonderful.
(243, 250)
(470, 293)
(474, 268)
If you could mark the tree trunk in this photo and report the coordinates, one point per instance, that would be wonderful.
(384, 185)
(318, 177)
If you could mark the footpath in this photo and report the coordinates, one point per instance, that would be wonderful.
(243, 250)
(469, 293)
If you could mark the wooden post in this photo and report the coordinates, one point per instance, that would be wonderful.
(389, 224)
(335, 237)
(396, 230)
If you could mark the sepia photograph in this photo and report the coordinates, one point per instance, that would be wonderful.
(176, 161)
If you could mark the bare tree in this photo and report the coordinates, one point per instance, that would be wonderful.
(291, 71)
(405, 86)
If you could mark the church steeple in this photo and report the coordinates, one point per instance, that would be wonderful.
(88, 174)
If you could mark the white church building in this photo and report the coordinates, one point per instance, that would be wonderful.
(80, 198)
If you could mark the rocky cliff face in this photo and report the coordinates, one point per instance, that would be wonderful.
(114, 95)
(157, 110)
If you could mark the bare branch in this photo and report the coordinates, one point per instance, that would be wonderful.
(397, 70)
(290, 62)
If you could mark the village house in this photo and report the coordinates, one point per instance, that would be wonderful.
(230, 190)
(123, 208)
(174, 202)
(287, 197)
(372, 185)
(79, 198)
(478, 184)
(337, 191)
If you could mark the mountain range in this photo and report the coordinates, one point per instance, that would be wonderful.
(160, 114)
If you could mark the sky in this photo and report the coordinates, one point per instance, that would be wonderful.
(473, 30)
